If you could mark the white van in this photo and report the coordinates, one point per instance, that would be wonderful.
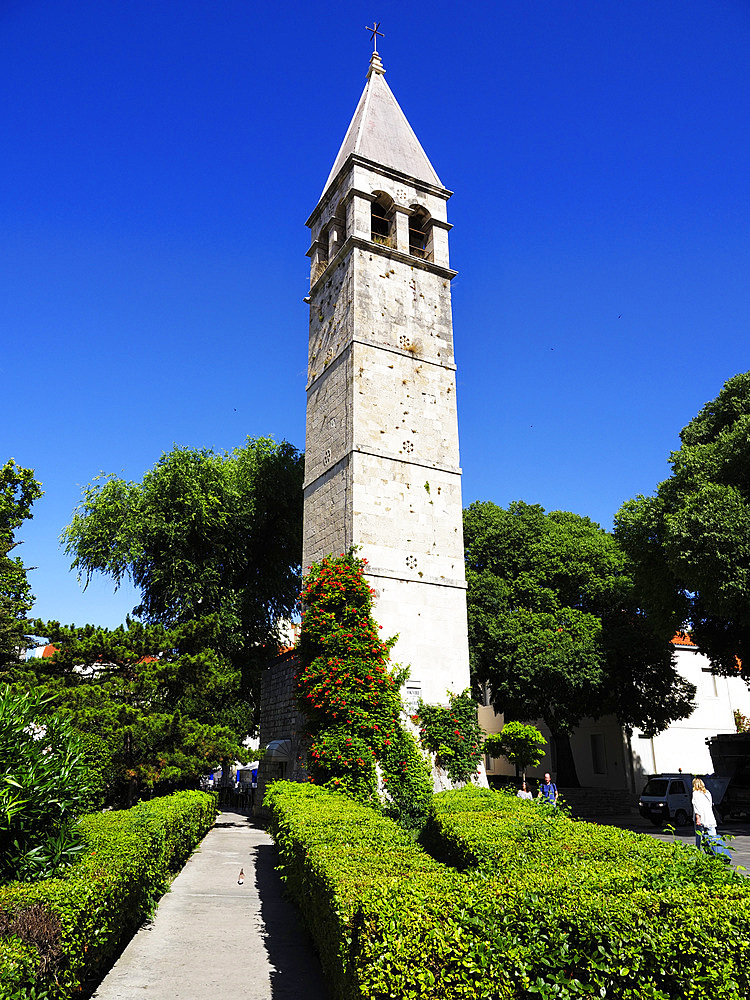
(667, 798)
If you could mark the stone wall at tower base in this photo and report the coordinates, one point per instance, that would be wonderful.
(281, 725)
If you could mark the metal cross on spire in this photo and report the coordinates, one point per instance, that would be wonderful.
(374, 33)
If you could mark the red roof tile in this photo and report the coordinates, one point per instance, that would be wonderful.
(683, 639)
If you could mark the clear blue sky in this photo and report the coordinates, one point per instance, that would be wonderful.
(159, 159)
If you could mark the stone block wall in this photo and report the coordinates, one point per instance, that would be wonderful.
(402, 303)
(280, 719)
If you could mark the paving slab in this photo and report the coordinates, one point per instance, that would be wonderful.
(211, 938)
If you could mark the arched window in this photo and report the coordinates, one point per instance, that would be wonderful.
(336, 231)
(420, 236)
(381, 220)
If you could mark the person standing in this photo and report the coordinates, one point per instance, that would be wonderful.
(548, 790)
(523, 792)
(703, 812)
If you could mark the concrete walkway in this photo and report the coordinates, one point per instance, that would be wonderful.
(212, 938)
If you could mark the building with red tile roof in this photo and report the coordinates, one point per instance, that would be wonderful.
(607, 757)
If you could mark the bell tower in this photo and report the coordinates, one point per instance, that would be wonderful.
(381, 457)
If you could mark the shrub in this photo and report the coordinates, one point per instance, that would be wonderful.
(387, 920)
(346, 762)
(56, 933)
(543, 906)
(100, 771)
(610, 907)
(43, 788)
(453, 734)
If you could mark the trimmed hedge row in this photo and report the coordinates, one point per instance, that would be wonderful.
(387, 920)
(480, 829)
(542, 907)
(613, 906)
(57, 933)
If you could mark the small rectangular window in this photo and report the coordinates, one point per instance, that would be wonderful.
(708, 684)
(598, 753)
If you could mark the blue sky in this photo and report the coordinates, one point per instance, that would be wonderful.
(160, 158)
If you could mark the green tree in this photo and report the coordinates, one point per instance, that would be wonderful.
(159, 707)
(523, 745)
(18, 491)
(690, 542)
(204, 534)
(555, 626)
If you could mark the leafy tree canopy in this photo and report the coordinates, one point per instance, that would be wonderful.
(159, 707)
(18, 491)
(690, 542)
(523, 745)
(203, 535)
(555, 627)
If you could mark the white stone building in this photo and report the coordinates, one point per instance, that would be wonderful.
(605, 758)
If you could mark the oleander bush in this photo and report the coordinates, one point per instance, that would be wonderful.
(44, 787)
(59, 932)
(520, 901)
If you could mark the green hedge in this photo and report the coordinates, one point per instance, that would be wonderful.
(57, 933)
(480, 829)
(387, 920)
(620, 913)
(542, 906)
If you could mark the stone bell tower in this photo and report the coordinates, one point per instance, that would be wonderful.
(381, 458)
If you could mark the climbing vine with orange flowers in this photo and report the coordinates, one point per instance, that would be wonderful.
(350, 695)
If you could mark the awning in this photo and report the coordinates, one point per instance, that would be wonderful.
(280, 750)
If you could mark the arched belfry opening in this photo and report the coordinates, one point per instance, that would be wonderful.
(381, 220)
(336, 231)
(420, 233)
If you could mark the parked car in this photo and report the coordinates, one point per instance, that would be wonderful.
(667, 798)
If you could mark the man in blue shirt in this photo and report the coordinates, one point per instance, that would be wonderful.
(548, 790)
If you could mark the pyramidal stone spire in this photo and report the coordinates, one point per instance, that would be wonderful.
(380, 132)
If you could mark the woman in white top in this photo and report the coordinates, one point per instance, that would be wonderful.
(523, 792)
(703, 812)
